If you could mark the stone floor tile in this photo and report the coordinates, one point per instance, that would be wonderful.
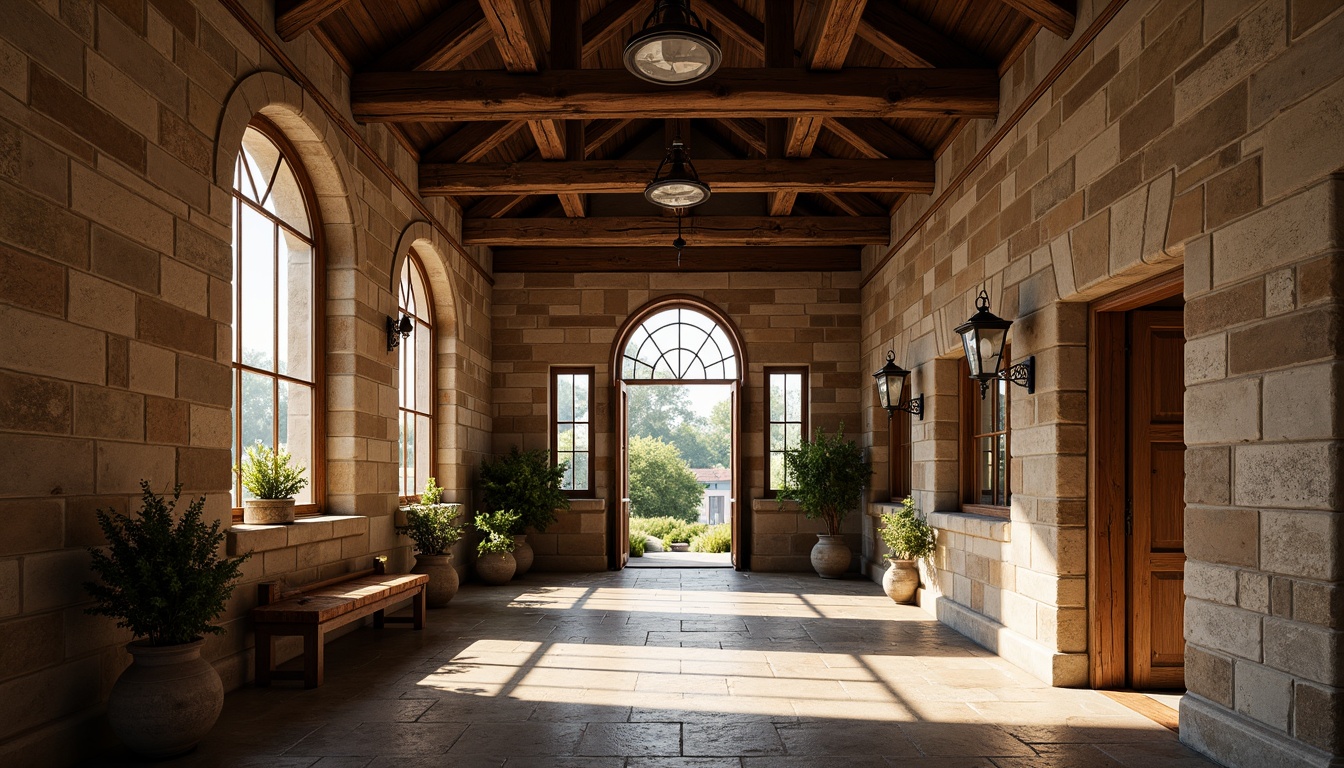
(849, 738)
(374, 739)
(343, 762)
(626, 739)
(936, 739)
(513, 740)
(684, 762)
(814, 761)
(731, 739)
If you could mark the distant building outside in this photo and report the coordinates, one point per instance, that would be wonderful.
(714, 505)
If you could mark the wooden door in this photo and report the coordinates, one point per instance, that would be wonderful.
(619, 546)
(1155, 513)
(735, 509)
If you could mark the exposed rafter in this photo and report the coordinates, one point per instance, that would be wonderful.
(694, 258)
(735, 22)
(443, 43)
(592, 94)
(1058, 16)
(658, 230)
(294, 17)
(472, 141)
(912, 43)
(630, 176)
(874, 138)
(608, 22)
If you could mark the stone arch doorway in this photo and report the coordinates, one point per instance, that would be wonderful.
(677, 339)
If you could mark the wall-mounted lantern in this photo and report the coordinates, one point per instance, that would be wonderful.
(891, 384)
(397, 330)
(983, 336)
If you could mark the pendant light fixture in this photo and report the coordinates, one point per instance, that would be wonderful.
(676, 184)
(673, 48)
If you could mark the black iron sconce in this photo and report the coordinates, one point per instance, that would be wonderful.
(983, 337)
(398, 330)
(891, 384)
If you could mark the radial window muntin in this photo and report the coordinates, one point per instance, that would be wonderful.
(679, 344)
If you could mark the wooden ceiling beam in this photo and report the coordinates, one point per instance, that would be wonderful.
(874, 138)
(737, 23)
(854, 205)
(1058, 16)
(750, 131)
(910, 41)
(594, 94)
(496, 207)
(607, 23)
(473, 141)
(443, 43)
(565, 137)
(624, 231)
(294, 17)
(630, 176)
(694, 258)
(599, 132)
(517, 41)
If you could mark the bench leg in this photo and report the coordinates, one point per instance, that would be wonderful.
(314, 660)
(418, 609)
(378, 620)
(265, 647)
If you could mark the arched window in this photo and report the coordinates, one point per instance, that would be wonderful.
(276, 398)
(679, 344)
(415, 388)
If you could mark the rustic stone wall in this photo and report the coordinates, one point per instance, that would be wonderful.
(119, 124)
(1202, 134)
(791, 318)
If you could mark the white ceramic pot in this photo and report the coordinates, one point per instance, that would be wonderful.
(166, 701)
(496, 568)
(901, 580)
(522, 554)
(442, 575)
(831, 556)
(268, 511)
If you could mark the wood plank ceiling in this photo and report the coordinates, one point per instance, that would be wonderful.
(824, 117)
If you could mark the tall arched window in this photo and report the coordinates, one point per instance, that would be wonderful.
(276, 301)
(415, 398)
(679, 343)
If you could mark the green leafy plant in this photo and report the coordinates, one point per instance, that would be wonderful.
(432, 527)
(268, 474)
(526, 483)
(161, 579)
(432, 494)
(719, 538)
(661, 485)
(826, 476)
(683, 533)
(496, 530)
(637, 543)
(657, 527)
(905, 534)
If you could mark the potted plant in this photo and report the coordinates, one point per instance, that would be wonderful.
(524, 482)
(166, 583)
(826, 477)
(494, 552)
(431, 524)
(908, 539)
(270, 477)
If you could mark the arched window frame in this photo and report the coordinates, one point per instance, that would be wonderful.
(413, 371)
(316, 468)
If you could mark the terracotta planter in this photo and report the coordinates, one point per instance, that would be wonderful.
(166, 701)
(442, 575)
(831, 556)
(901, 580)
(496, 568)
(268, 511)
(522, 554)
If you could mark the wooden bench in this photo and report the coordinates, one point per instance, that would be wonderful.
(314, 610)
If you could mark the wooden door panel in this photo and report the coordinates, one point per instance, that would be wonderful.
(1156, 457)
(619, 549)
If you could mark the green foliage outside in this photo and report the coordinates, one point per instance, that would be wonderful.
(665, 412)
(526, 483)
(661, 485)
(431, 524)
(905, 534)
(268, 474)
(684, 533)
(496, 530)
(162, 580)
(719, 538)
(637, 543)
(826, 476)
(666, 529)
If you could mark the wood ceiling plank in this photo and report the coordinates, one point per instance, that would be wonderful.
(700, 230)
(566, 53)
(737, 23)
(512, 28)
(694, 258)
(910, 41)
(1058, 16)
(594, 94)
(874, 138)
(599, 132)
(443, 43)
(608, 22)
(496, 207)
(630, 176)
(750, 131)
(473, 141)
(294, 17)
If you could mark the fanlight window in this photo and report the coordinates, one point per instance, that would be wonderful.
(679, 344)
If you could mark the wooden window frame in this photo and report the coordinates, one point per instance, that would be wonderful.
(900, 469)
(427, 324)
(771, 493)
(553, 417)
(317, 472)
(970, 466)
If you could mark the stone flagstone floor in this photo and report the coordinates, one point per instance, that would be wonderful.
(674, 668)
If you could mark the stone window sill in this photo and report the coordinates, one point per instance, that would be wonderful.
(306, 530)
(979, 526)
(773, 505)
(587, 505)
